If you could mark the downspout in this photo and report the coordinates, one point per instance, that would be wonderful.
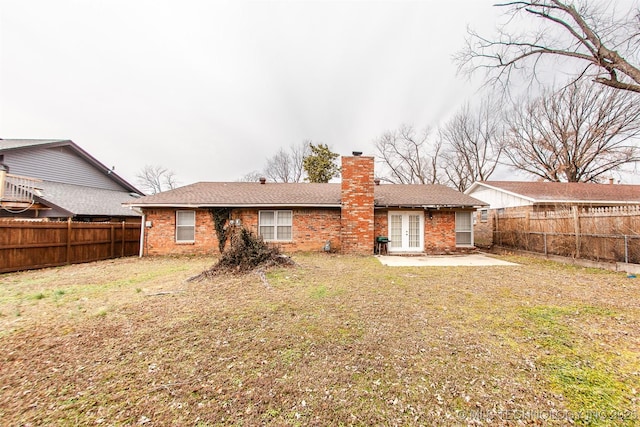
(144, 217)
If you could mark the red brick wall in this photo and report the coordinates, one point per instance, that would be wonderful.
(381, 223)
(440, 231)
(311, 230)
(357, 225)
(160, 239)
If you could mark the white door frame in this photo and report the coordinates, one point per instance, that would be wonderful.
(402, 231)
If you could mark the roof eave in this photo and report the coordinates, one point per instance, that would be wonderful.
(229, 205)
(432, 206)
(502, 190)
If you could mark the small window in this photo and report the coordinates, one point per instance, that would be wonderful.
(185, 226)
(275, 225)
(464, 229)
(484, 215)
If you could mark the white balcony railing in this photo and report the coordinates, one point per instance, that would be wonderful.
(17, 188)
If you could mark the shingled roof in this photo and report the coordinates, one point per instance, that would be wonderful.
(79, 200)
(567, 192)
(253, 194)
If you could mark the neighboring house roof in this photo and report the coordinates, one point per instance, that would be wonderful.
(79, 200)
(564, 192)
(252, 194)
(8, 145)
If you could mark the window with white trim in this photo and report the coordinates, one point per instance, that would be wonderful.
(484, 215)
(275, 225)
(185, 226)
(464, 229)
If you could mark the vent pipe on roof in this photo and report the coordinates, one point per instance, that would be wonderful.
(611, 181)
(263, 180)
(376, 181)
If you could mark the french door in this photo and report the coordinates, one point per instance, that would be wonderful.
(406, 231)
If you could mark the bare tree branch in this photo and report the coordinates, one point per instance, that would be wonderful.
(408, 158)
(603, 41)
(154, 179)
(286, 165)
(473, 144)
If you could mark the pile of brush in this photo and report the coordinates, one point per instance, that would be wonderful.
(246, 253)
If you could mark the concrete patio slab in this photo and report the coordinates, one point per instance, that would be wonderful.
(469, 260)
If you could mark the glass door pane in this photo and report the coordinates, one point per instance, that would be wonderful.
(396, 231)
(414, 231)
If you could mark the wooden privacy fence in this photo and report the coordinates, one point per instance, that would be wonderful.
(34, 244)
(600, 234)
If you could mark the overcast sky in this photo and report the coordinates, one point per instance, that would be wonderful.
(210, 89)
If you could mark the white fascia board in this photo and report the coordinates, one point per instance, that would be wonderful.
(502, 190)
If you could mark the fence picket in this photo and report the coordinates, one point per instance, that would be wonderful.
(597, 233)
(28, 245)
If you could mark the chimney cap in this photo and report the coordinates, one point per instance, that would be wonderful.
(357, 153)
(263, 180)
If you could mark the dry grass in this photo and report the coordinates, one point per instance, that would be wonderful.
(334, 341)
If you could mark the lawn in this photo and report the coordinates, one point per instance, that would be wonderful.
(337, 340)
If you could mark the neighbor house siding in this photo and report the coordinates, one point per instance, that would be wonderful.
(483, 230)
(499, 198)
(57, 164)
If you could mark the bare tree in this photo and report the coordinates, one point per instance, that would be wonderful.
(576, 134)
(155, 179)
(409, 158)
(297, 154)
(279, 167)
(472, 143)
(594, 39)
(286, 166)
(252, 177)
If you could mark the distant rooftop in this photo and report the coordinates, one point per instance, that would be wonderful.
(9, 144)
(583, 192)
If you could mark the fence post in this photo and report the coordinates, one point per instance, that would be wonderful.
(576, 227)
(123, 240)
(626, 249)
(496, 231)
(113, 241)
(69, 240)
(544, 238)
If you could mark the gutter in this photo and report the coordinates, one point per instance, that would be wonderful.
(228, 205)
(142, 226)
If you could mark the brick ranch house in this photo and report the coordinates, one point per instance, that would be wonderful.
(305, 216)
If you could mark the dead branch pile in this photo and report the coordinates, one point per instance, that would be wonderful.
(245, 254)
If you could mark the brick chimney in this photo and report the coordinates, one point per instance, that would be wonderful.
(357, 205)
